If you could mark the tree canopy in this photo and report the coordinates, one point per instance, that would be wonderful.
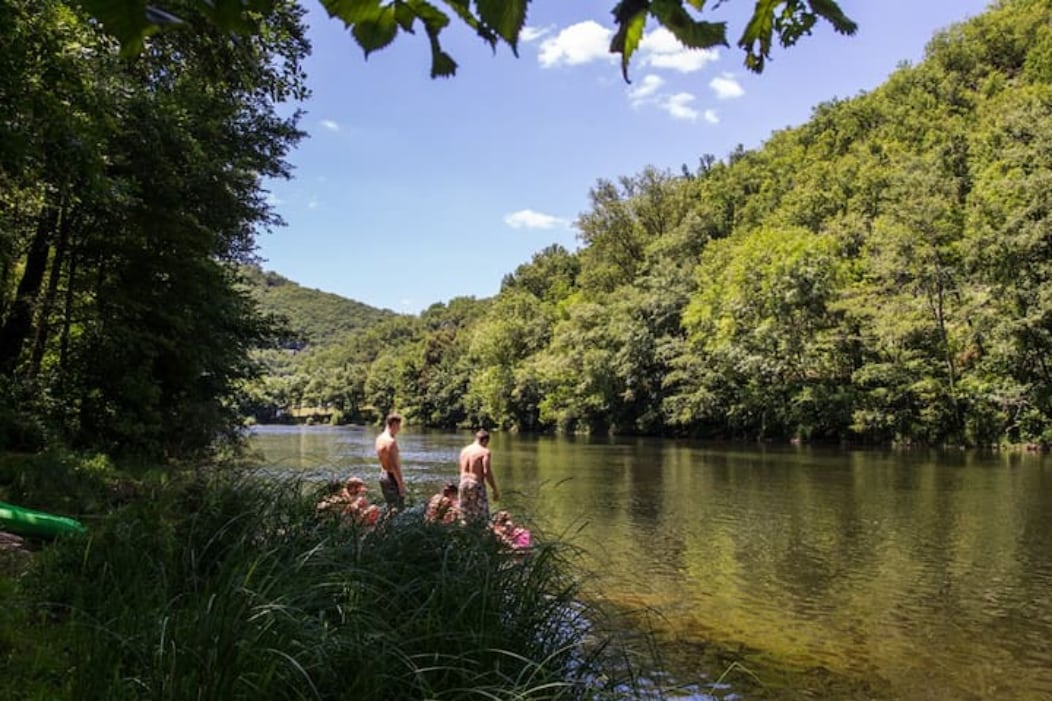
(130, 194)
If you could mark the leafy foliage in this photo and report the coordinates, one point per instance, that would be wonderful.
(131, 194)
(374, 24)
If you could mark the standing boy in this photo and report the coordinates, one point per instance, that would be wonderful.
(391, 483)
(475, 472)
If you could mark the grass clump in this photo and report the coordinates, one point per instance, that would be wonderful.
(232, 587)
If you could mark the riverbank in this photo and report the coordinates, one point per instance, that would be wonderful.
(221, 585)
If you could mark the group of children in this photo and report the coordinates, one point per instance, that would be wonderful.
(349, 501)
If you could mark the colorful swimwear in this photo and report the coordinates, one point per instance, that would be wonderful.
(474, 504)
(520, 538)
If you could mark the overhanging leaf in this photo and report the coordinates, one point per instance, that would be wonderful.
(404, 15)
(506, 17)
(352, 11)
(759, 31)
(831, 12)
(629, 32)
(692, 33)
(373, 34)
(433, 18)
(793, 21)
(442, 64)
(124, 19)
(462, 9)
(228, 15)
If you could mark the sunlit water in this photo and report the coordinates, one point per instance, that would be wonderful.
(917, 575)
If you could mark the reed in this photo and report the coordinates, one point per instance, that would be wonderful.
(232, 587)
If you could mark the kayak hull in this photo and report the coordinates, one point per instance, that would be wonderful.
(38, 524)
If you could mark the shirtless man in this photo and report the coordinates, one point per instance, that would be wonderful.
(475, 473)
(391, 483)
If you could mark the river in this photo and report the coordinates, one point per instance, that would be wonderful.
(830, 573)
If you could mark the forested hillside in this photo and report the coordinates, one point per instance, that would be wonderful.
(882, 273)
(297, 372)
(313, 317)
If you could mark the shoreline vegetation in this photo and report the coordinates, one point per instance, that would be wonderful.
(217, 582)
(221, 584)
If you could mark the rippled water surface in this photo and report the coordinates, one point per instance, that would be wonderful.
(922, 575)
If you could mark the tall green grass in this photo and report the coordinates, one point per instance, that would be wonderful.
(234, 588)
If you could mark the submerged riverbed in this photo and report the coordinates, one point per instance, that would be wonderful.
(856, 574)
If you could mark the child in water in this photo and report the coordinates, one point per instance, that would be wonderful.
(444, 506)
(514, 536)
(350, 501)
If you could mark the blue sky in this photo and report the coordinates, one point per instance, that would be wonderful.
(410, 191)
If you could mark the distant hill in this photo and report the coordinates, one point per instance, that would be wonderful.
(319, 318)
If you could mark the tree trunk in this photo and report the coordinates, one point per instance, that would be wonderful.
(67, 317)
(48, 303)
(19, 323)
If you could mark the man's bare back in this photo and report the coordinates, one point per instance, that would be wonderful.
(475, 461)
(387, 451)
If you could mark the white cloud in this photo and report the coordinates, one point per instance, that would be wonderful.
(529, 34)
(679, 107)
(643, 91)
(528, 219)
(726, 87)
(661, 49)
(330, 125)
(579, 43)
(273, 200)
(711, 117)
(313, 203)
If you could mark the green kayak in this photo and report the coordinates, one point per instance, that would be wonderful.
(40, 524)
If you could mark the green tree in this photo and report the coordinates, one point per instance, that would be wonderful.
(910, 301)
(759, 330)
(138, 194)
(1009, 220)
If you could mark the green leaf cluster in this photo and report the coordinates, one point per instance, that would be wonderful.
(375, 24)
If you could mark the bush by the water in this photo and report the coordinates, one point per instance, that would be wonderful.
(235, 589)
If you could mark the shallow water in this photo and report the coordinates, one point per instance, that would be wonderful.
(904, 575)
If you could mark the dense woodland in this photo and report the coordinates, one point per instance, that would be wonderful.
(882, 273)
(130, 195)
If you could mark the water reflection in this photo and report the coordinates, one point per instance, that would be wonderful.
(922, 575)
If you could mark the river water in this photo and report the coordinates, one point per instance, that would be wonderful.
(831, 573)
